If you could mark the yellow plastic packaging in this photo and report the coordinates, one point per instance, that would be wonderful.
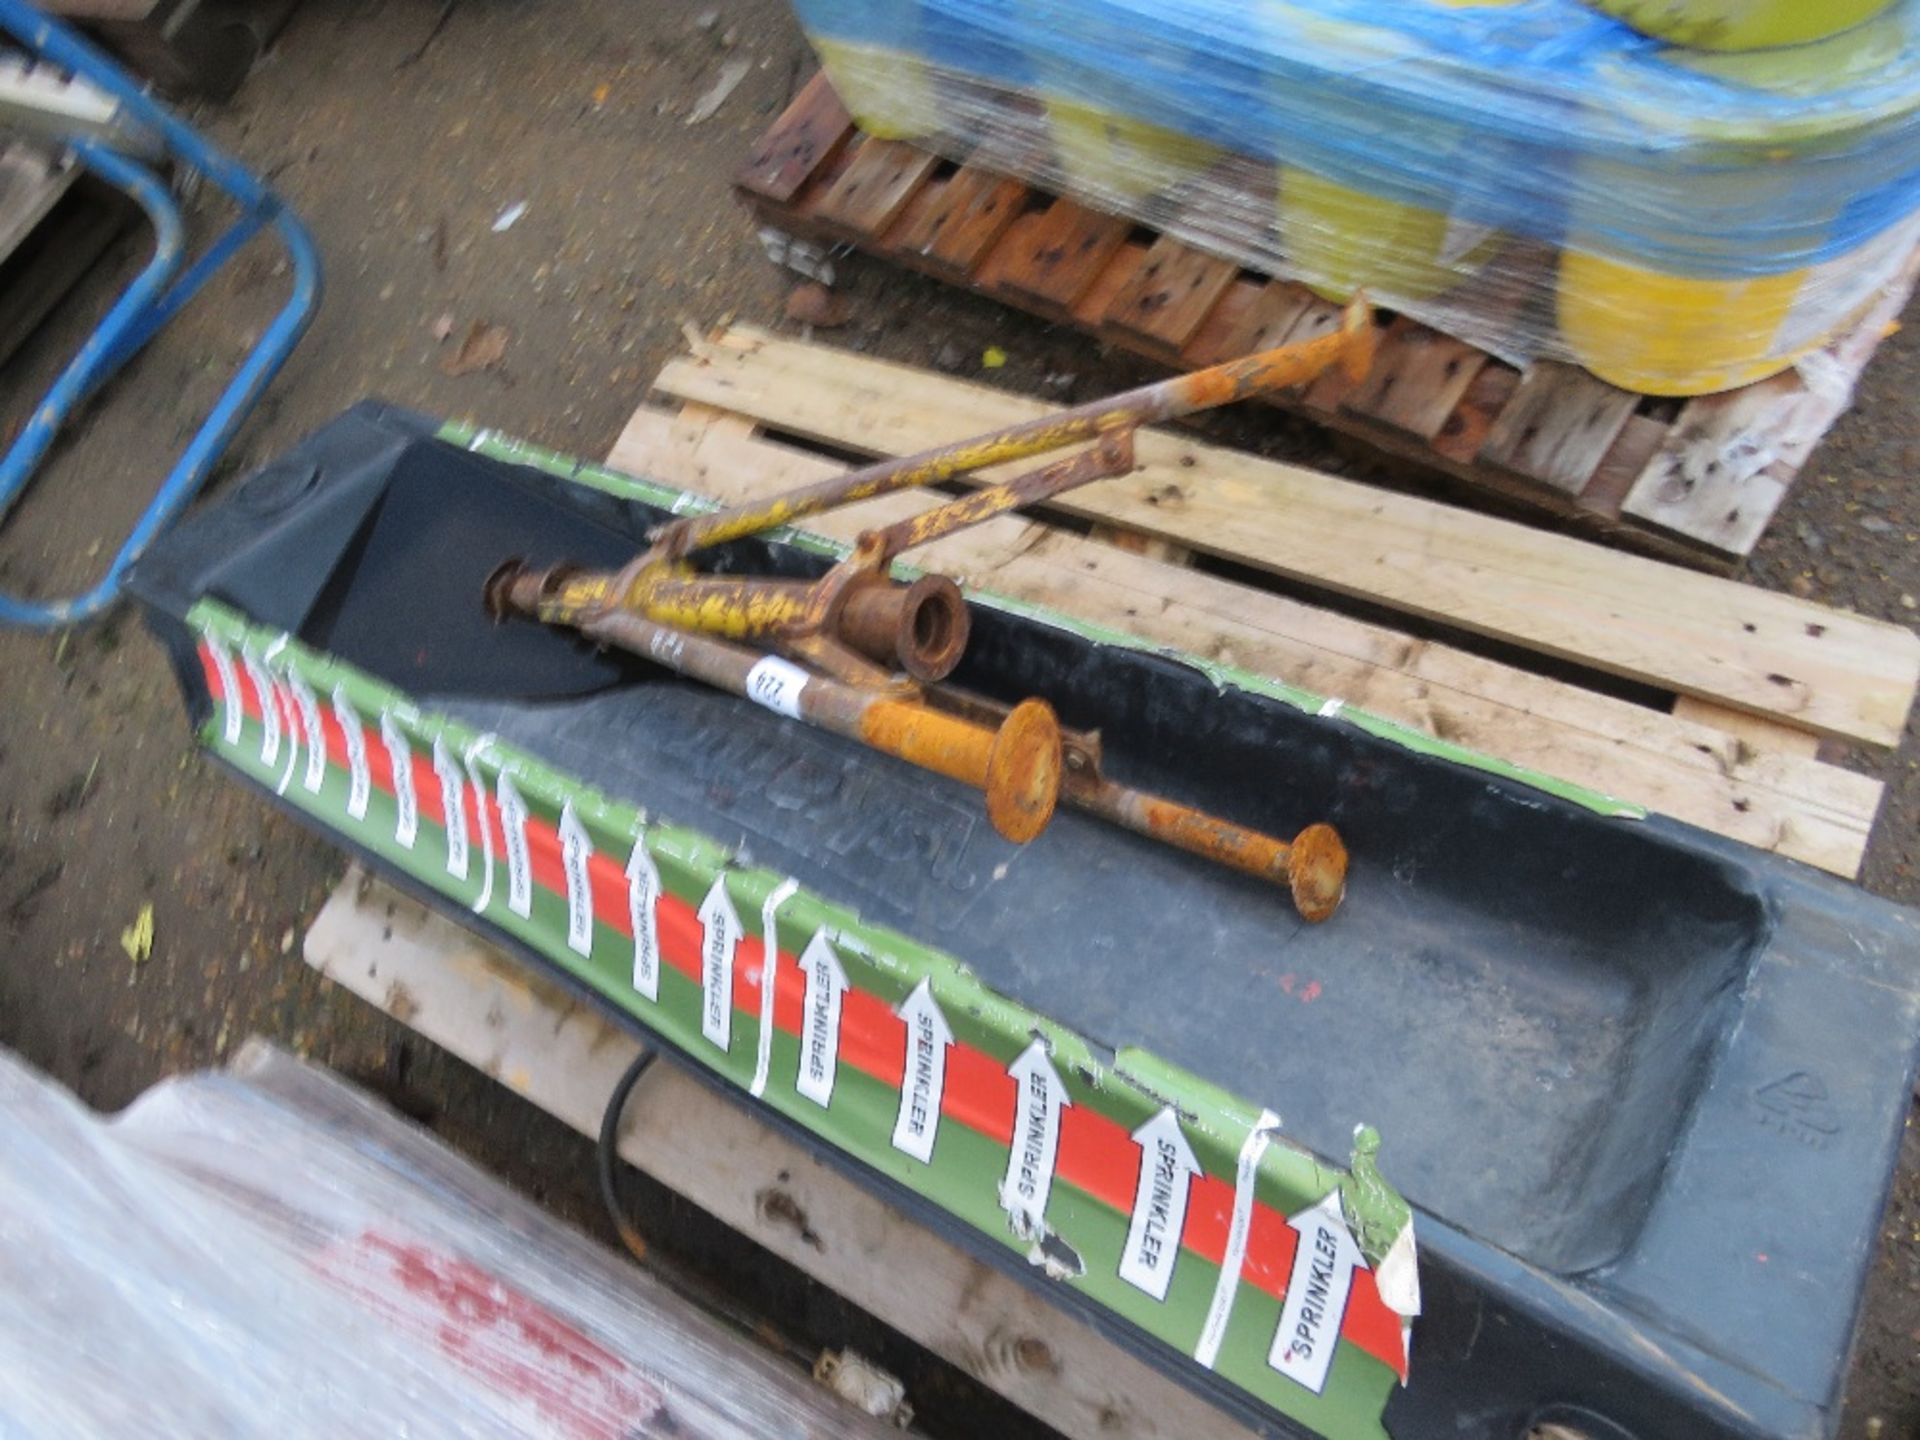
(1743, 24)
(1532, 177)
(889, 94)
(1652, 329)
(1101, 151)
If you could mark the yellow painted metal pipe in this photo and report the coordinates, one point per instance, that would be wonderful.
(1352, 347)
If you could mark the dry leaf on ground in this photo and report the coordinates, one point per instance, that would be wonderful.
(482, 348)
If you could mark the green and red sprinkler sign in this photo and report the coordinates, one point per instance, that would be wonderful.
(1153, 1193)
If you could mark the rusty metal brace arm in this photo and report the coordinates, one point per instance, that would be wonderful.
(1351, 347)
(856, 623)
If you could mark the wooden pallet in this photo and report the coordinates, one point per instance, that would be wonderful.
(1759, 676)
(1694, 481)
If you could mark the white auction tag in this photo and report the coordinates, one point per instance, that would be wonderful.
(406, 800)
(776, 684)
(354, 736)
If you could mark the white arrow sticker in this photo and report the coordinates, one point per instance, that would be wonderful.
(406, 802)
(513, 823)
(232, 713)
(1324, 1260)
(1039, 1099)
(820, 1019)
(309, 709)
(643, 901)
(453, 807)
(769, 980)
(269, 696)
(576, 856)
(925, 1080)
(720, 931)
(776, 684)
(354, 736)
(1167, 1168)
(470, 760)
(287, 722)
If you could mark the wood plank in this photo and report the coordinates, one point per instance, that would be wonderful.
(1714, 479)
(1812, 812)
(1559, 426)
(811, 130)
(1255, 314)
(1108, 284)
(523, 1030)
(1730, 458)
(951, 224)
(1419, 377)
(1755, 730)
(1049, 259)
(1463, 432)
(868, 196)
(1173, 291)
(1134, 543)
(1606, 489)
(799, 215)
(1749, 649)
(720, 420)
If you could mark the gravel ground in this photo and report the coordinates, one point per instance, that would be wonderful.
(403, 142)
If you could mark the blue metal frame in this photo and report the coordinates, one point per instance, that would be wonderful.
(154, 297)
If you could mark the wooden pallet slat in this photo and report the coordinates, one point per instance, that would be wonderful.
(1091, 308)
(1168, 297)
(948, 227)
(1048, 259)
(1462, 434)
(814, 128)
(868, 195)
(1786, 803)
(1253, 315)
(1417, 379)
(1559, 426)
(1550, 442)
(1811, 666)
(1755, 730)
(1712, 478)
(1621, 467)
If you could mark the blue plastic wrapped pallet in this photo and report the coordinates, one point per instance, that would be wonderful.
(1538, 177)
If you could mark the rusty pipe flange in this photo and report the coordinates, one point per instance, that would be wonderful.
(1317, 872)
(505, 589)
(516, 588)
(922, 627)
(1023, 772)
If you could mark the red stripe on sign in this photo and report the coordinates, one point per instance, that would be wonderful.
(211, 674)
(1096, 1154)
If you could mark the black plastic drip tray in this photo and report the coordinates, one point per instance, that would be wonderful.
(1532, 1073)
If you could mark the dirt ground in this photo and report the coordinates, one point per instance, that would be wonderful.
(402, 140)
